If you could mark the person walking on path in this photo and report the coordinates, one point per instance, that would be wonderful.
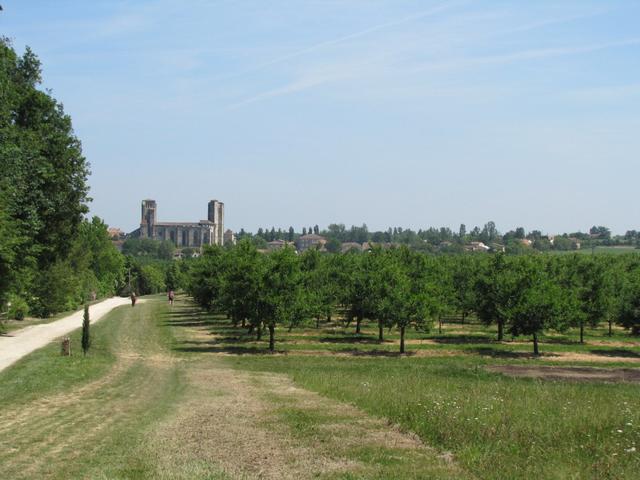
(133, 299)
(171, 296)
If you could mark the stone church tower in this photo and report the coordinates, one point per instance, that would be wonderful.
(216, 216)
(149, 218)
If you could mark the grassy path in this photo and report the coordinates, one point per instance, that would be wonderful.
(139, 407)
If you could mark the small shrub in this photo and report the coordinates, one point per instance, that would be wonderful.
(18, 308)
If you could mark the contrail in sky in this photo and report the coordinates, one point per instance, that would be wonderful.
(366, 31)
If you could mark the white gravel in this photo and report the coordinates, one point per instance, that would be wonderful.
(19, 343)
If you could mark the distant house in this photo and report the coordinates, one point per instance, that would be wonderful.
(349, 246)
(277, 245)
(115, 233)
(305, 242)
(477, 247)
(497, 247)
(527, 243)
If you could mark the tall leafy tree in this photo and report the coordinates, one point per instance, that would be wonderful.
(43, 181)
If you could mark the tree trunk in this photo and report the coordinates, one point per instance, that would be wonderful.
(500, 330)
(259, 332)
(380, 331)
(402, 339)
(318, 321)
(272, 339)
(535, 344)
(464, 317)
(244, 323)
(329, 317)
(581, 331)
(358, 322)
(440, 325)
(610, 327)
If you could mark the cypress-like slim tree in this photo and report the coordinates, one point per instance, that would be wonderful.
(86, 335)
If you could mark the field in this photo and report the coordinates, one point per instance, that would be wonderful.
(177, 393)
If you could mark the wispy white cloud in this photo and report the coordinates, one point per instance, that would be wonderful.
(527, 27)
(606, 93)
(532, 54)
(361, 33)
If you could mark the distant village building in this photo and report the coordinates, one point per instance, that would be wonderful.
(229, 238)
(183, 234)
(277, 245)
(477, 247)
(115, 233)
(305, 242)
(351, 246)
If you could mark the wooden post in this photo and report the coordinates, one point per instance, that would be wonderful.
(66, 347)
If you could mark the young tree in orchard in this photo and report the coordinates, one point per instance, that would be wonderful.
(629, 313)
(590, 291)
(382, 268)
(540, 305)
(357, 295)
(313, 283)
(321, 284)
(207, 278)
(497, 291)
(464, 273)
(404, 303)
(281, 295)
(242, 271)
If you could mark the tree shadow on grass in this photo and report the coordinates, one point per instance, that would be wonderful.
(559, 341)
(226, 349)
(378, 353)
(463, 339)
(351, 339)
(615, 352)
(497, 353)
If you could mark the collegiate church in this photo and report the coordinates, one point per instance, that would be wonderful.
(183, 234)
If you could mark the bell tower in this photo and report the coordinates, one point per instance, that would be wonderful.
(148, 220)
(215, 214)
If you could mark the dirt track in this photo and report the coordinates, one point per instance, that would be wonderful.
(17, 344)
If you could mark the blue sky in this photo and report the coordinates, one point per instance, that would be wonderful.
(388, 112)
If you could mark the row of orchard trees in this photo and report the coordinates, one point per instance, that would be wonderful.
(522, 295)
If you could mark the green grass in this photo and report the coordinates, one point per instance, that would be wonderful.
(98, 416)
(87, 417)
(497, 427)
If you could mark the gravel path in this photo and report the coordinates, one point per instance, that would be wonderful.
(19, 343)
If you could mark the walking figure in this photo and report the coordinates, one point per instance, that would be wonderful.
(133, 299)
(171, 296)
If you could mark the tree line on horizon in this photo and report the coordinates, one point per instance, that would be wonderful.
(401, 288)
(446, 240)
